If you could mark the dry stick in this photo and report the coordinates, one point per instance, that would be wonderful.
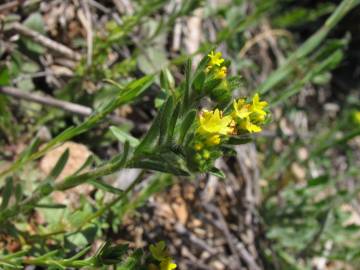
(183, 231)
(234, 244)
(244, 152)
(261, 36)
(45, 41)
(50, 101)
(124, 6)
(221, 225)
(85, 19)
(8, 6)
(14, 4)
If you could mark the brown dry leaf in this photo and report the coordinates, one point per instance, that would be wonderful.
(164, 210)
(298, 171)
(354, 218)
(180, 210)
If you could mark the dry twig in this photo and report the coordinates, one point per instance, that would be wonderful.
(236, 247)
(50, 101)
(45, 41)
(85, 19)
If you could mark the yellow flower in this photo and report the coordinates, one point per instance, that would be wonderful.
(221, 72)
(242, 110)
(198, 146)
(213, 140)
(167, 264)
(247, 125)
(212, 122)
(215, 59)
(258, 106)
(356, 117)
(206, 154)
(158, 251)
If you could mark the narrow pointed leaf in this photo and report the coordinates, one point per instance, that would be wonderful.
(123, 136)
(60, 164)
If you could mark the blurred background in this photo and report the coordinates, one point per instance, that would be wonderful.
(290, 199)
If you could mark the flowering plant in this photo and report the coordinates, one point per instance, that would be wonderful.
(185, 138)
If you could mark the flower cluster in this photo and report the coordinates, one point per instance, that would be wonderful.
(214, 128)
(160, 254)
(216, 64)
(249, 116)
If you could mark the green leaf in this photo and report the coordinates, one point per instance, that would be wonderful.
(150, 137)
(6, 194)
(167, 81)
(152, 60)
(105, 187)
(135, 88)
(165, 117)
(4, 76)
(86, 164)
(173, 121)
(236, 140)
(80, 253)
(120, 160)
(162, 162)
(201, 67)
(50, 206)
(60, 164)
(123, 136)
(218, 173)
(321, 180)
(198, 82)
(187, 86)
(131, 262)
(36, 23)
(188, 121)
(24, 156)
(108, 254)
(18, 192)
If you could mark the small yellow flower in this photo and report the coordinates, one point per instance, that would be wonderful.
(167, 264)
(247, 125)
(242, 110)
(356, 117)
(212, 122)
(215, 59)
(198, 146)
(206, 154)
(213, 140)
(258, 106)
(158, 251)
(221, 72)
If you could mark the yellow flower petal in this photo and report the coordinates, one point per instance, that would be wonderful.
(257, 105)
(213, 140)
(221, 72)
(212, 122)
(167, 264)
(247, 125)
(241, 109)
(215, 59)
